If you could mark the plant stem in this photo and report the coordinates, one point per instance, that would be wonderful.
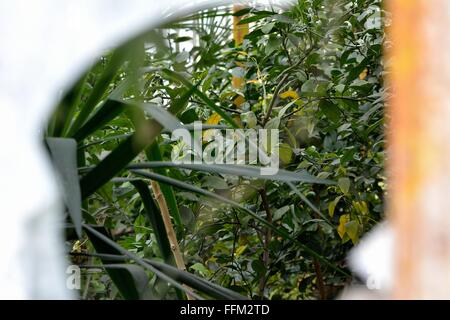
(267, 239)
(169, 228)
(319, 277)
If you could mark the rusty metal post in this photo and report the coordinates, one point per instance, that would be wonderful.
(419, 147)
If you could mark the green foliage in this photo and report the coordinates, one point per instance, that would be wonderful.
(313, 71)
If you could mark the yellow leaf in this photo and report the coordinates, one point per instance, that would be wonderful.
(352, 230)
(240, 250)
(342, 221)
(361, 207)
(237, 82)
(77, 246)
(254, 81)
(239, 101)
(285, 153)
(363, 74)
(214, 118)
(289, 94)
(332, 206)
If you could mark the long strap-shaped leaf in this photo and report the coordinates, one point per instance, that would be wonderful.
(211, 289)
(209, 103)
(107, 112)
(280, 231)
(237, 170)
(154, 216)
(99, 89)
(249, 171)
(139, 261)
(126, 280)
(127, 151)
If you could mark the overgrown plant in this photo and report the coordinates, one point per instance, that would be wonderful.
(314, 72)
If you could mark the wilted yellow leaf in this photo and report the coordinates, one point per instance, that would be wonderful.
(214, 118)
(239, 101)
(289, 94)
(363, 74)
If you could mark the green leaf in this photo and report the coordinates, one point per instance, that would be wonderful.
(164, 117)
(309, 87)
(283, 18)
(209, 103)
(330, 110)
(279, 213)
(237, 170)
(199, 267)
(267, 27)
(130, 288)
(198, 283)
(64, 157)
(99, 89)
(255, 18)
(66, 109)
(127, 150)
(131, 274)
(214, 182)
(241, 12)
(344, 185)
(182, 39)
(103, 244)
(106, 113)
(259, 268)
(116, 161)
(155, 218)
(273, 123)
(308, 203)
(280, 231)
(273, 44)
(356, 71)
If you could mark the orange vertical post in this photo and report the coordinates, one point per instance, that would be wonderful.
(239, 32)
(419, 147)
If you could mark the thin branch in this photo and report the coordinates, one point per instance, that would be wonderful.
(284, 75)
(267, 239)
(274, 99)
(319, 277)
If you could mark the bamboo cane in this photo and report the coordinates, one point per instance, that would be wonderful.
(179, 261)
